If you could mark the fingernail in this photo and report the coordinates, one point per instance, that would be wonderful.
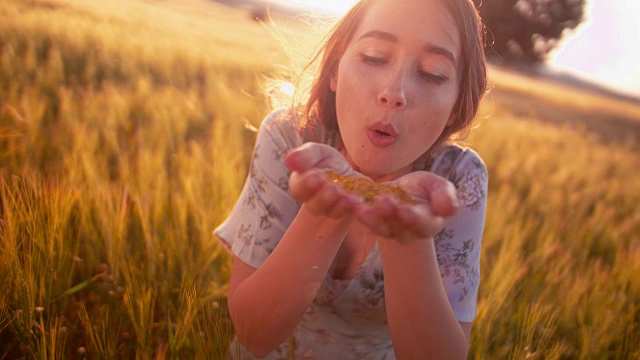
(453, 195)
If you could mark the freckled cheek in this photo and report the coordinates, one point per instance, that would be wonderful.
(440, 104)
(429, 121)
(362, 83)
(347, 92)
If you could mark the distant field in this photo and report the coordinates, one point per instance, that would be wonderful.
(124, 141)
(611, 119)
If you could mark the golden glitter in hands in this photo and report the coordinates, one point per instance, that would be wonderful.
(365, 188)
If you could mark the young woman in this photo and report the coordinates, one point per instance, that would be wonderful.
(318, 272)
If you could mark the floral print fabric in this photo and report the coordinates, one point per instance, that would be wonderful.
(347, 319)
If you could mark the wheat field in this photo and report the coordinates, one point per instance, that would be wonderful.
(125, 138)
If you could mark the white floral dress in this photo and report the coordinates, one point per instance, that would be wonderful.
(347, 319)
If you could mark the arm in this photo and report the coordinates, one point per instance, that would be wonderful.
(422, 289)
(268, 302)
(421, 320)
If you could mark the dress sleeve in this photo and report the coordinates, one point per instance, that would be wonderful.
(264, 209)
(458, 243)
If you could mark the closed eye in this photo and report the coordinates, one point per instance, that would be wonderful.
(373, 60)
(433, 78)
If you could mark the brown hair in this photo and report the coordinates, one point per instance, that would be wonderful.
(321, 104)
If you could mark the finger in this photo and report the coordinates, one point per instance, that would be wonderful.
(379, 216)
(420, 219)
(303, 158)
(326, 199)
(348, 205)
(343, 205)
(404, 222)
(382, 208)
(439, 192)
(407, 215)
(444, 200)
(314, 155)
(331, 201)
(303, 186)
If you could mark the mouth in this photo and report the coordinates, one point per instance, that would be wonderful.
(384, 129)
(382, 135)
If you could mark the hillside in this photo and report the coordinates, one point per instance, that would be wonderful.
(560, 102)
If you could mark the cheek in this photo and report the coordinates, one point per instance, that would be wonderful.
(356, 81)
(432, 117)
(439, 106)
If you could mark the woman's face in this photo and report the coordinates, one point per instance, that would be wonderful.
(396, 85)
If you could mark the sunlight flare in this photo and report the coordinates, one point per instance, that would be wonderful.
(333, 6)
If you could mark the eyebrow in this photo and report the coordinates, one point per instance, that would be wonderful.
(432, 49)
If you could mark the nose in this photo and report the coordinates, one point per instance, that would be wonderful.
(393, 93)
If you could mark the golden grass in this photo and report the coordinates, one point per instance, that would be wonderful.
(123, 145)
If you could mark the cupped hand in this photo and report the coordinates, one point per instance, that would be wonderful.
(307, 183)
(434, 200)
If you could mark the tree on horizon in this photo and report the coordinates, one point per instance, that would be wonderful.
(525, 31)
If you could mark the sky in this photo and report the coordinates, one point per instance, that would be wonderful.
(604, 48)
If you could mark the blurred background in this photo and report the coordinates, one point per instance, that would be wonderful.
(595, 41)
(126, 131)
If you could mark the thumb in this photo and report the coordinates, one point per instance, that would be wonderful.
(313, 155)
(444, 200)
(438, 191)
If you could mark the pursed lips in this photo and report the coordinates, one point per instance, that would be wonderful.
(381, 134)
